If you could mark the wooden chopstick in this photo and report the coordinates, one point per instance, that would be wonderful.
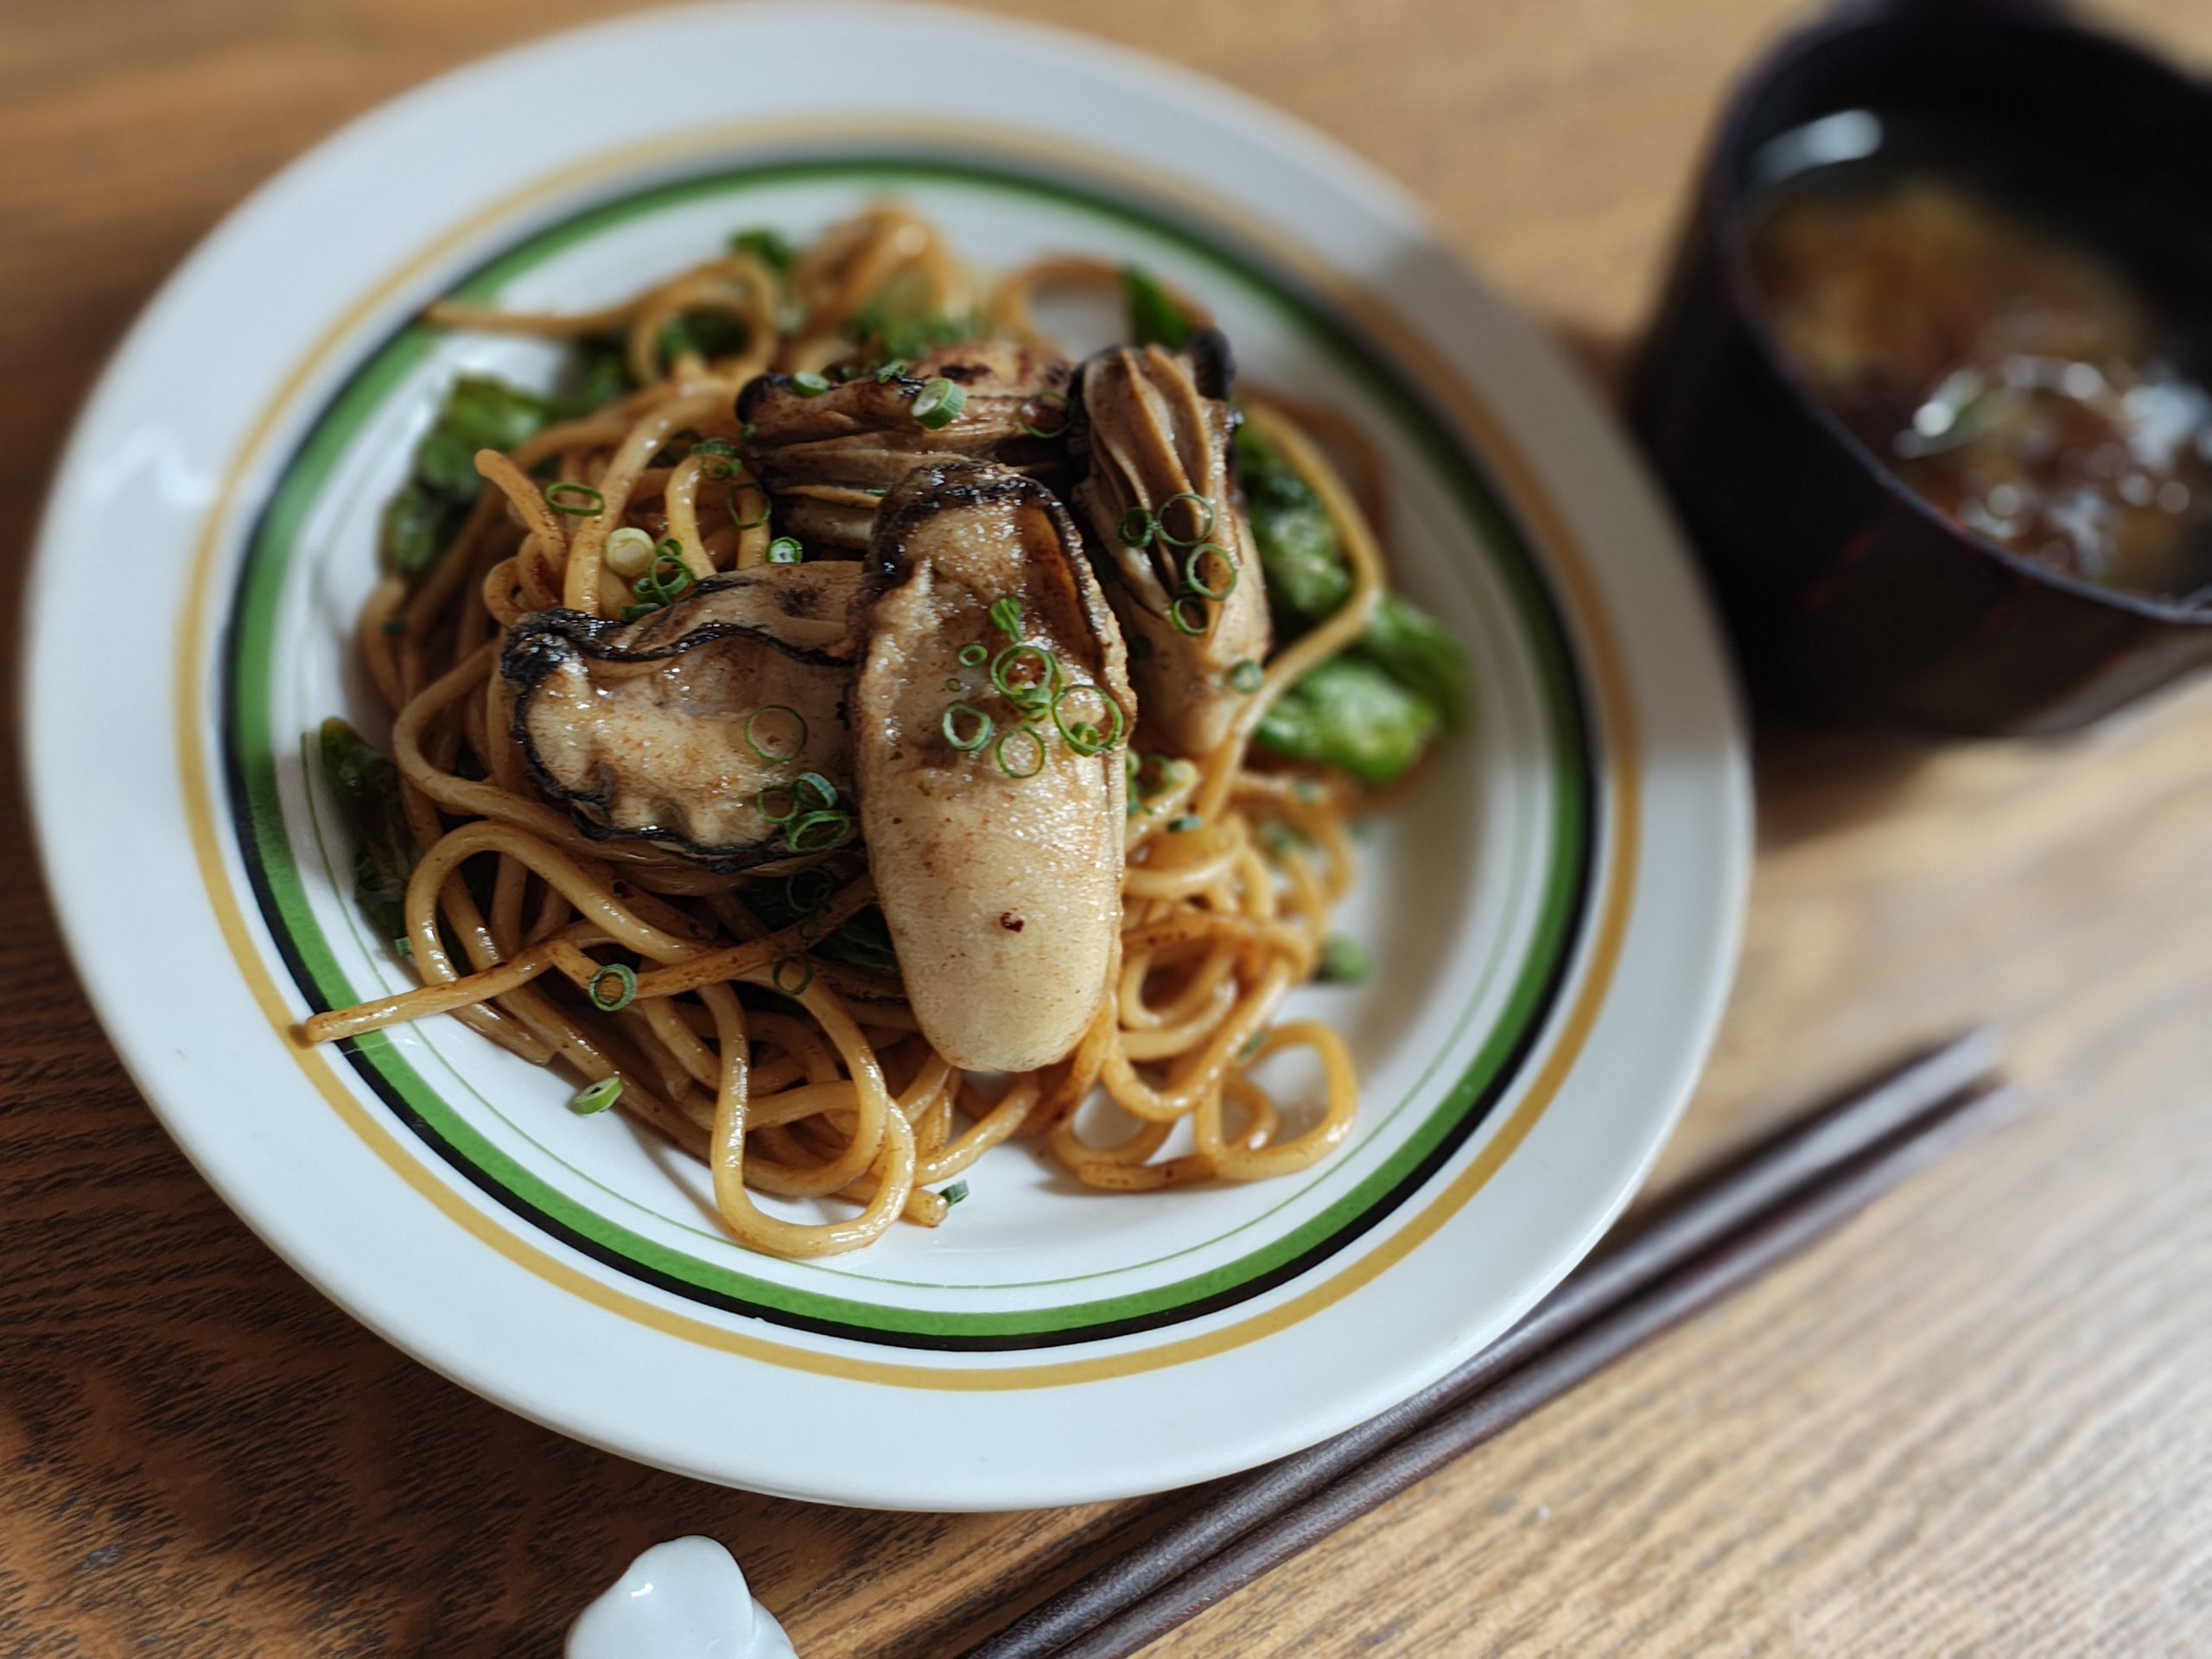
(1784, 1192)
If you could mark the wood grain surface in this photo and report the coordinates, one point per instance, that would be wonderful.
(1981, 1422)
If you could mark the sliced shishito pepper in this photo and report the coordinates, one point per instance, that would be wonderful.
(1150, 432)
(829, 450)
(989, 717)
(713, 728)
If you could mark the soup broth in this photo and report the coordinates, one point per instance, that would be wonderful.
(2016, 379)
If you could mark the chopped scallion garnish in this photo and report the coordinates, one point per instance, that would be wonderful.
(778, 803)
(1088, 736)
(792, 975)
(937, 404)
(1025, 693)
(1035, 755)
(578, 500)
(1137, 528)
(786, 550)
(1247, 676)
(1190, 614)
(955, 1193)
(819, 832)
(808, 899)
(1193, 563)
(1006, 617)
(972, 656)
(1201, 512)
(595, 1096)
(624, 979)
(667, 578)
(958, 713)
(1046, 434)
(808, 383)
(1185, 824)
(776, 732)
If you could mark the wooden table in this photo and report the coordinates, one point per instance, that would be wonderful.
(1978, 1422)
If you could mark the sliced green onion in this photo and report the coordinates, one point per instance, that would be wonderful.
(745, 434)
(937, 404)
(577, 500)
(888, 372)
(1085, 737)
(1190, 570)
(825, 885)
(1185, 824)
(779, 976)
(1201, 509)
(1190, 614)
(625, 992)
(1037, 757)
(972, 656)
(817, 832)
(814, 784)
(1051, 400)
(595, 1096)
(1006, 617)
(1253, 1045)
(730, 504)
(1247, 676)
(1014, 691)
(786, 550)
(722, 446)
(778, 803)
(667, 578)
(808, 383)
(1137, 528)
(954, 714)
(955, 1193)
(629, 551)
(763, 743)
(1343, 962)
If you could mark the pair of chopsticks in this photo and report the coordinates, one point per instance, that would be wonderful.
(1782, 1195)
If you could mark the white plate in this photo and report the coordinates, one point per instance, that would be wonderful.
(1555, 913)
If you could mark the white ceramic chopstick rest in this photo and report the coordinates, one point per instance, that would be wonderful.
(682, 1599)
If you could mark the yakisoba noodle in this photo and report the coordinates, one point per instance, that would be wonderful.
(632, 969)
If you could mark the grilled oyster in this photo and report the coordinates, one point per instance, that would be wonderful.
(692, 728)
(1150, 434)
(828, 457)
(987, 719)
